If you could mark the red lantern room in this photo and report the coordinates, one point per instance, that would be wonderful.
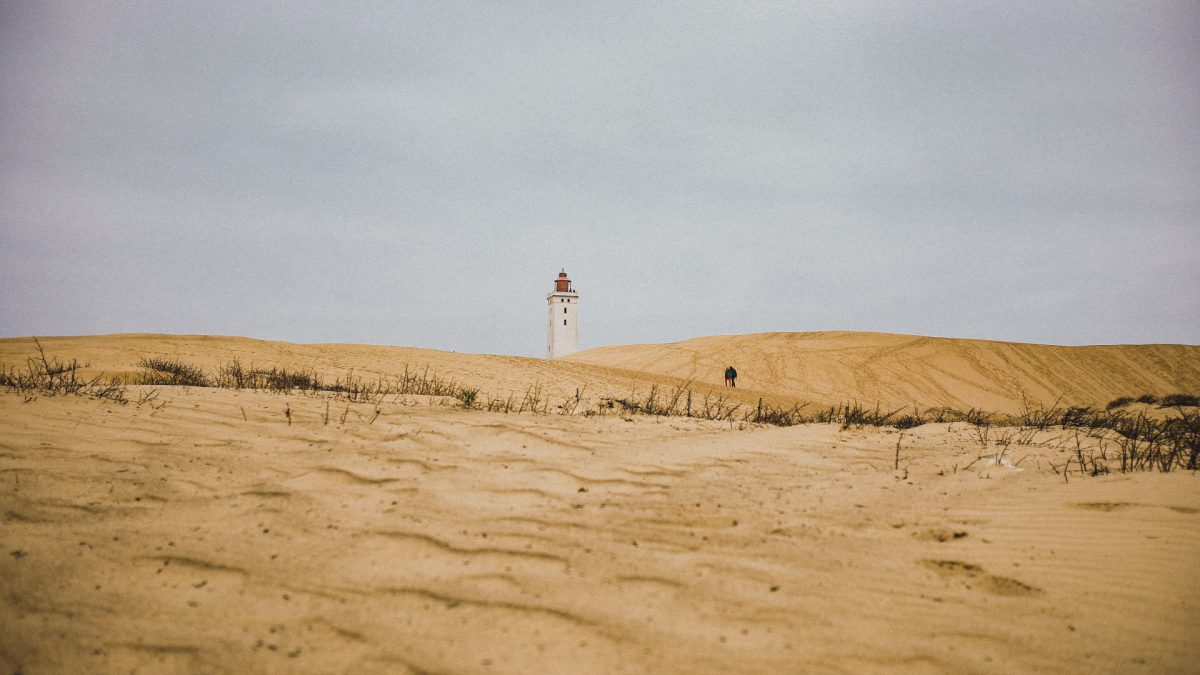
(562, 284)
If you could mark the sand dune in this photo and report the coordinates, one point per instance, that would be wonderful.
(820, 368)
(906, 370)
(213, 530)
(495, 376)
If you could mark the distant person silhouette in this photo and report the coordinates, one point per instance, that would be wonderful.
(730, 377)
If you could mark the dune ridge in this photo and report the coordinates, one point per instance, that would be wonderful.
(818, 368)
(904, 370)
(495, 375)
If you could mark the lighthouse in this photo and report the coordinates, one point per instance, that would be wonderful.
(563, 334)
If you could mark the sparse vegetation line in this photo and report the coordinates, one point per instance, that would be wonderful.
(43, 376)
(1137, 441)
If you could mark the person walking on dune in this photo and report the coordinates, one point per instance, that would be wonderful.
(731, 377)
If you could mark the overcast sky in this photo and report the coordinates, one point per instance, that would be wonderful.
(417, 174)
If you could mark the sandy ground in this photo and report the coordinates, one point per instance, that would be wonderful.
(208, 530)
(210, 535)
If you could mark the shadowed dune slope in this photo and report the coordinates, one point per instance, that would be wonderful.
(906, 370)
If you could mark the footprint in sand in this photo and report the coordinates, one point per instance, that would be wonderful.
(1107, 507)
(983, 581)
(1104, 506)
(940, 536)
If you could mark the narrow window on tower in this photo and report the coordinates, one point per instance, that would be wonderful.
(564, 322)
(564, 310)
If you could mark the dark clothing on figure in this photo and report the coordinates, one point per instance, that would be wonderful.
(730, 377)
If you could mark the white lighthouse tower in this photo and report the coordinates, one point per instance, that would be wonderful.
(563, 335)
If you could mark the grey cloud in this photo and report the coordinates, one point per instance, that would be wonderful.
(416, 173)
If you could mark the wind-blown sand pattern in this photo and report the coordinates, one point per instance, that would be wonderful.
(212, 535)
